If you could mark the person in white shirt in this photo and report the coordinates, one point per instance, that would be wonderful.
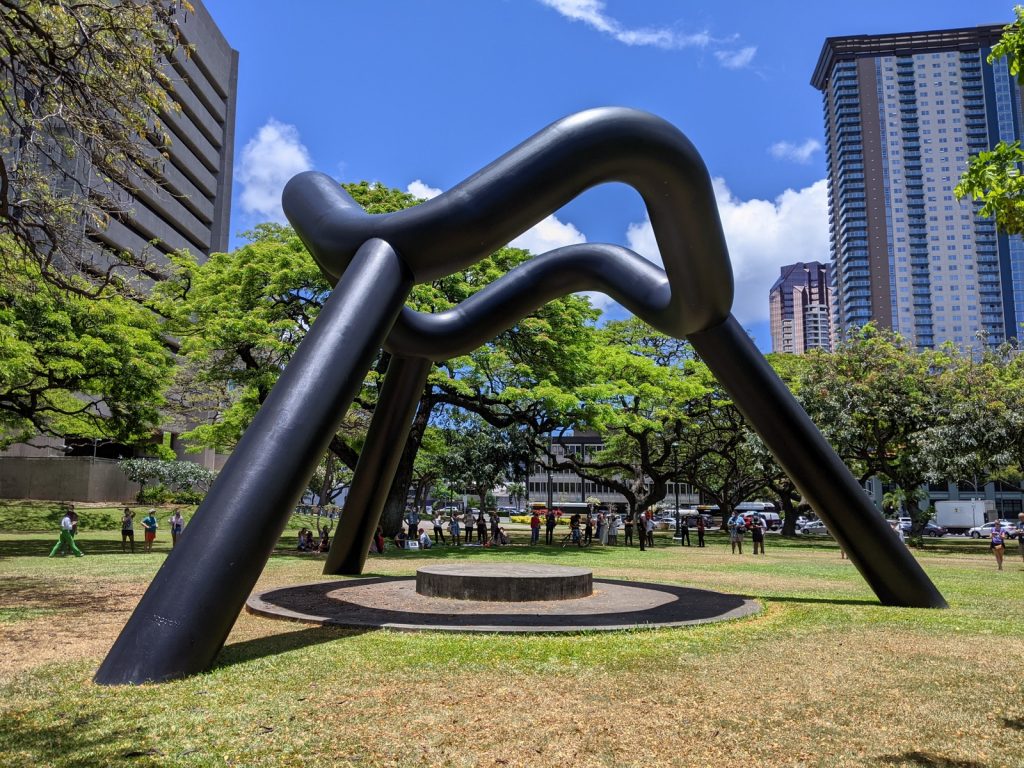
(613, 530)
(425, 542)
(67, 525)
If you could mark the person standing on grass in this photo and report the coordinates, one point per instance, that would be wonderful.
(700, 530)
(627, 528)
(613, 529)
(128, 529)
(737, 528)
(149, 526)
(648, 523)
(757, 533)
(997, 543)
(684, 532)
(535, 528)
(412, 519)
(469, 526)
(453, 528)
(1020, 534)
(439, 528)
(481, 529)
(177, 526)
(550, 523)
(66, 539)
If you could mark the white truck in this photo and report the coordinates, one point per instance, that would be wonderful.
(960, 516)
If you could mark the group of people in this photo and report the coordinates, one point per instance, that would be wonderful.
(738, 525)
(66, 543)
(308, 542)
(461, 529)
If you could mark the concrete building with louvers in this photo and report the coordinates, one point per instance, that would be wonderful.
(189, 208)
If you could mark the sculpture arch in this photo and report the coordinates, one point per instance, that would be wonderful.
(186, 614)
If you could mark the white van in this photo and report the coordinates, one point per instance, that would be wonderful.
(765, 510)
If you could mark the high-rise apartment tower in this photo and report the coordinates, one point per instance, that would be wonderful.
(800, 308)
(903, 112)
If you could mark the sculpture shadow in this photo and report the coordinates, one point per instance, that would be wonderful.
(273, 645)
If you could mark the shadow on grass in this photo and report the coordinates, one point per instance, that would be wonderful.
(1016, 723)
(273, 645)
(928, 760)
(40, 546)
(829, 600)
(464, 552)
(53, 736)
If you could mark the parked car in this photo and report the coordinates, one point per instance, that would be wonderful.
(985, 531)
(816, 528)
(930, 528)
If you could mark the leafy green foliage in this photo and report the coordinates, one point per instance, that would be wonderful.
(994, 179)
(71, 365)
(163, 481)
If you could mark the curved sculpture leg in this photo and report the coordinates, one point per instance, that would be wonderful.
(378, 461)
(819, 474)
(184, 618)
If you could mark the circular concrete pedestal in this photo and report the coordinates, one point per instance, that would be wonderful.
(504, 583)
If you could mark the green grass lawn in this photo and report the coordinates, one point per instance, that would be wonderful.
(824, 676)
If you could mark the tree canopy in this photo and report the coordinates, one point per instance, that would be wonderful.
(82, 89)
(69, 365)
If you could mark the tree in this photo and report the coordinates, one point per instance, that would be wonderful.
(76, 366)
(82, 89)
(240, 317)
(177, 476)
(477, 456)
(970, 439)
(877, 400)
(993, 178)
(516, 493)
(638, 385)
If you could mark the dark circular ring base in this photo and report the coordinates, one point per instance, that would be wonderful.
(393, 603)
(505, 583)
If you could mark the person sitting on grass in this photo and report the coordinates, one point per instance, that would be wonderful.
(301, 547)
(400, 538)
(325, 539)
(310, 543)
(425, 542)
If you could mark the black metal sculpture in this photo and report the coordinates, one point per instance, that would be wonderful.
(186, 614)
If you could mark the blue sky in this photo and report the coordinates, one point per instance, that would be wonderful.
(419, 95)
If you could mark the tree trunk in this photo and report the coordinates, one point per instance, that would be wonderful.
(394, 507)
(789, 514)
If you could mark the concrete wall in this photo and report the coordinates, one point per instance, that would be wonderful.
(64, 479)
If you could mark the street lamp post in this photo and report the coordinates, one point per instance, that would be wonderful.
(551, 498)
(675, 485)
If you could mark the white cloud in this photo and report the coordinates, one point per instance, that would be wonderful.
(798, 153)
(422, 190)
(762, 236)
(592, 13)
(269, 160)
(547, 234)
(736, 59)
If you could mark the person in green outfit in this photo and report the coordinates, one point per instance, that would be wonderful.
(67, 539)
